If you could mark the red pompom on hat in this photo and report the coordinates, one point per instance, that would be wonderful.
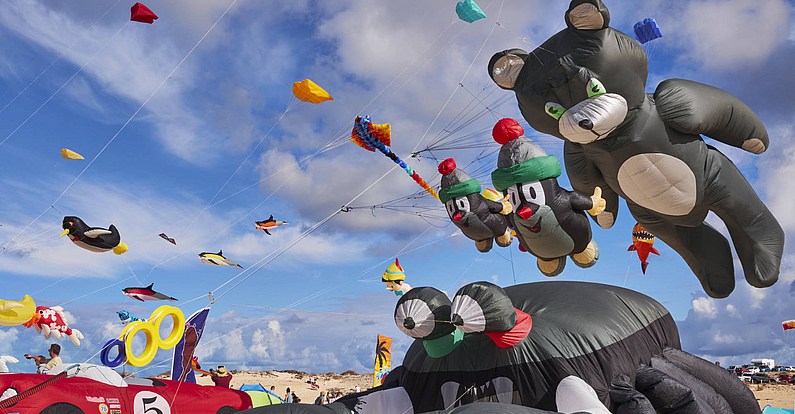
(447, 166)
(506, 130)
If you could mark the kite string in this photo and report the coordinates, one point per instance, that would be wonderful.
(463, 273)
(125, 124)
(59, 57)
(304, 234)
(459, 83)
(64, 85)
(328, 146)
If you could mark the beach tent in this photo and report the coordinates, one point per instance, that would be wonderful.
(260, 396)
(775, 410)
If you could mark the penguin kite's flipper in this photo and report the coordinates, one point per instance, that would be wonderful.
(266, 232)
(238, 266)
(94, 233)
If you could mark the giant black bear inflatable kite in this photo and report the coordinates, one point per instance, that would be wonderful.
(556, 345)
(586, 85)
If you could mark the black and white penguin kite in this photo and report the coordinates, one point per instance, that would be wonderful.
(479, 218)
(94, 239)
(549, 220)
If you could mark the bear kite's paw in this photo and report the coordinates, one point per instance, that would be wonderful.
(506, 207)
(754, 145)
(599, 203)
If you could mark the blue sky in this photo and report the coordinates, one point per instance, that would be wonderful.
(400, 62)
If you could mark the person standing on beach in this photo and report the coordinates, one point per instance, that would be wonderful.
(288, 397)
(221, 377)
(321, 399)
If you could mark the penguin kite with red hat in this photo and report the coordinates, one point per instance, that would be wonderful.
(481, 218)
(550, 221)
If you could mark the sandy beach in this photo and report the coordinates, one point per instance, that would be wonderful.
(776, 395)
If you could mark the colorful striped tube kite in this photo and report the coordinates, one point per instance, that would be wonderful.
(142, 14)
(469, 11)
(308, 91)
(647, 30)
(372, 136)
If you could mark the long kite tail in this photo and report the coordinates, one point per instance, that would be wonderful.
(362, 127)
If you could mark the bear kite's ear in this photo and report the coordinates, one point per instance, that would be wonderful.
(504, 67)
(587, 15)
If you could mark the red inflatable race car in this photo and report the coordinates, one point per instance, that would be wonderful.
(92, 389)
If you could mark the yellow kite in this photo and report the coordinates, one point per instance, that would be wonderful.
(308, 91)
(71, 155)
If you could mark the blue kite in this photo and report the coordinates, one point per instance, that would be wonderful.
(469, 11)
(647, 30)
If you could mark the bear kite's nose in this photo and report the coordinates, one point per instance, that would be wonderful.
(586, 124)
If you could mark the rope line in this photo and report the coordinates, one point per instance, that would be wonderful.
(64, 84)
(59, 56)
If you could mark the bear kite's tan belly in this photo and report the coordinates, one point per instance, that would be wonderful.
(659, 182)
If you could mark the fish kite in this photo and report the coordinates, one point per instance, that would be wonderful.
(394, 277)
(269, 224)
(217, 259)
(168, 239)
(642, 242)
(145, 294)
(52, 321)
(142, 14)
(93, 239)
(71, 155)
(790, 324)
(379, 136)
(16, 313)
(127, 318)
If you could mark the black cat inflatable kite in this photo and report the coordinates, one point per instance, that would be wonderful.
(586, 85)
(556, 346)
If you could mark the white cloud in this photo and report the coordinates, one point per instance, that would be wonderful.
(726, 339)
(8, 337)
(705, 307)
(709, 30)
(732, 311)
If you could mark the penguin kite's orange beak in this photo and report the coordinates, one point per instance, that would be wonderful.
(65, 232)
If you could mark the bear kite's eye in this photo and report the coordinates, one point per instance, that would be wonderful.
(595, 88)
(554, 110)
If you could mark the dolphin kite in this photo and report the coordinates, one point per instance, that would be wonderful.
(146, 293)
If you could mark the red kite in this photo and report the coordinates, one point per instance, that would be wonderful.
(141, 13)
